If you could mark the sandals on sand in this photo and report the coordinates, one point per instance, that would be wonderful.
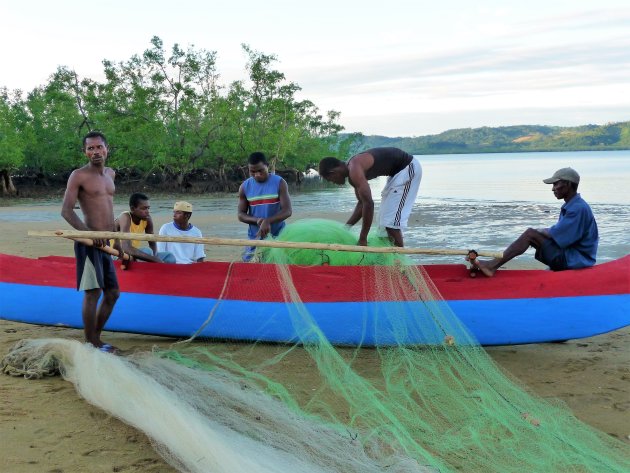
(107, 348)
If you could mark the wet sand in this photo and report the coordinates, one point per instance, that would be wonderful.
(46, 427)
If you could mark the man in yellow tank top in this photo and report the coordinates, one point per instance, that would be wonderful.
(138, 220)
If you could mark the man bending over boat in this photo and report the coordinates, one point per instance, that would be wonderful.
(569, 244)
(138, 220)
(404, 174)
(184, 253)
(93, 187)
(263, 202)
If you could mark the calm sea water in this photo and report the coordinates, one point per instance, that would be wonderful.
(480, 201)
(484, 201)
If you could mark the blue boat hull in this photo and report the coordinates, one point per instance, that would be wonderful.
(490, 322)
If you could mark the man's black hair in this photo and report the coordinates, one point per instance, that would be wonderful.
(135, 199)
(94, 134)
(257, 157)
(326, 165)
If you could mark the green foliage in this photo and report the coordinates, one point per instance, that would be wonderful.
(11, 137)
(165, 111)
(55, 126)
(272, 120)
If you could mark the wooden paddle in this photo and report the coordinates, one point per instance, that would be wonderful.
(73, 234)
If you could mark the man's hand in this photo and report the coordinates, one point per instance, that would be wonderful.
(263, 228)
(99, 243)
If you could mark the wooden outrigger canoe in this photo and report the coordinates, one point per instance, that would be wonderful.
(246, 302)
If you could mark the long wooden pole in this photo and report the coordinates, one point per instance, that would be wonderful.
(258, 243)
(105, 249)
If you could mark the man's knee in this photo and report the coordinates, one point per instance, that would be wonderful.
(111, 295)
(92, 295)
(535, 237)
(531, 233)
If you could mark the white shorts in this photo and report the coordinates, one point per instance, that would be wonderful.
(398, 197)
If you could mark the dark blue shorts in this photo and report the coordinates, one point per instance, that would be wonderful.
(95, 268)
(552, 255)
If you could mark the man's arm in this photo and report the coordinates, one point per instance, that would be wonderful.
(364, 198)
(243, 208)
(149, 231)
(125, 227)
(70, 200)
(357, 213)
(285, 204)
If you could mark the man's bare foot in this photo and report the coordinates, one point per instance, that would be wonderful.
(488, 268)
(471, 257)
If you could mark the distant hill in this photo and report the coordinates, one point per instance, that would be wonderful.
(508, 139)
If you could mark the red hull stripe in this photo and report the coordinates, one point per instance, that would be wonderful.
(256, 282)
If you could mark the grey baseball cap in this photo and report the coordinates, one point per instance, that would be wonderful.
(564, 174)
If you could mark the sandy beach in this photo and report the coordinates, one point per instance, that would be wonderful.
(47, 427)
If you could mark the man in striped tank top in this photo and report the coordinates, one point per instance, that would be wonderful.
(403, 173)
(263, 202)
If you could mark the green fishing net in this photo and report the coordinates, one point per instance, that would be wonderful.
(326, 231)
(441, 406)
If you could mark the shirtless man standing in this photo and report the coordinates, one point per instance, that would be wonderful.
(93, 187)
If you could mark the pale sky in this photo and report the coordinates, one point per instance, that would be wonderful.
(395, 68)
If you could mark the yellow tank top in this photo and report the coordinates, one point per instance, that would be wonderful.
(133, 228)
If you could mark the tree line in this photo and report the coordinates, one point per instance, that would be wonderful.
(169, 120)
(166, 117)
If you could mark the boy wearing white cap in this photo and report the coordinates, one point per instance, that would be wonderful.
(185, 253)
(569, 244)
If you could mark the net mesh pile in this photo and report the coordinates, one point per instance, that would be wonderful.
(445, 404)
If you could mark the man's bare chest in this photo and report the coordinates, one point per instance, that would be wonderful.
(98, 186)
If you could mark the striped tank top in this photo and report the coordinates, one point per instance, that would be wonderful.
(264, 202)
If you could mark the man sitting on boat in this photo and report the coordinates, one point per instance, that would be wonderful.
(138, 220)
(404, 174)
(184, 253)
(569, 244)
(263, 202)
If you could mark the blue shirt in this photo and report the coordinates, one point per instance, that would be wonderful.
(576, 232)
(264, 202)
